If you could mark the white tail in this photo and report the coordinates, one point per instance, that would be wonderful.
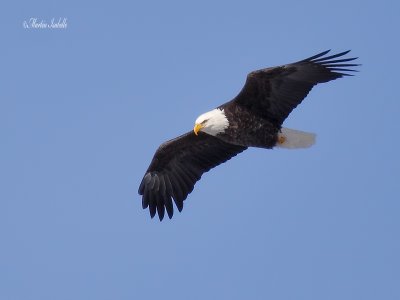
(295, 139)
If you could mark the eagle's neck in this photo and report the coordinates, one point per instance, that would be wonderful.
(215, 121)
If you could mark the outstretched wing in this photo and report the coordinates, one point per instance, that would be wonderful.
(177, 165)
(274, 92)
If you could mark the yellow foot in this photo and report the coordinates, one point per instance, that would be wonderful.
(281, 139)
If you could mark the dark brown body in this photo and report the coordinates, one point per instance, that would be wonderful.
(248, 129)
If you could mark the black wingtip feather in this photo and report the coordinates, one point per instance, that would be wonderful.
(337, 67)
(343, 70)
(329, 61)
(160, 207)
(179, 204)
(316, 56)
(145, 181)
(168, 206)
(337, 60)
(145, 203)
(145, 198)
(152, 207)
(331, 56)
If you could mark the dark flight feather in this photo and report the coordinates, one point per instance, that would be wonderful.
(177, 165)
(274, 92)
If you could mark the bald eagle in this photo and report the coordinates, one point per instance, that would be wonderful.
(252, 119)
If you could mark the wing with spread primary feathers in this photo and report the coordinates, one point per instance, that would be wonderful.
(177, 165)
(274, 92)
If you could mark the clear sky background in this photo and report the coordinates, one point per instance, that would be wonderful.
(83, 109)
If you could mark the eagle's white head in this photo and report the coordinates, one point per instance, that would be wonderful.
(212, 122)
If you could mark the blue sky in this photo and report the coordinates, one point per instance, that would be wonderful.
(83, 109)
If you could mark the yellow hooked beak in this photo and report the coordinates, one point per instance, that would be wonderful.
(197, 128)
